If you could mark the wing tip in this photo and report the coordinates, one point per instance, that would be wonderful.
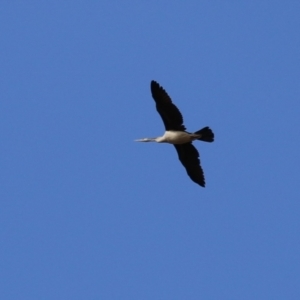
(154, 85)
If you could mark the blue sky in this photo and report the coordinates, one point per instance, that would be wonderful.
(86, 213)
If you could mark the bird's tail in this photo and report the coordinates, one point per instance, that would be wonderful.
(206, 135)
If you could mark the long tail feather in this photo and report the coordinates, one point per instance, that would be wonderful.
(206, 134)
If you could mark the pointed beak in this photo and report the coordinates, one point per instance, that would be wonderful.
(139, 140)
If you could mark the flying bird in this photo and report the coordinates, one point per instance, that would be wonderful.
(177, 135)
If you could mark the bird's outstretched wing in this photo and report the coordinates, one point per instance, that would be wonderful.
(189, 157)
(169, 113)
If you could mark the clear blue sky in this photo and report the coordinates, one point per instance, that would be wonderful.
(86, 213)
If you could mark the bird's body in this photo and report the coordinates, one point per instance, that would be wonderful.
(177, 135)
(172, 137)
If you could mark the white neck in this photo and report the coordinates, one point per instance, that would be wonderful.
(147, 140)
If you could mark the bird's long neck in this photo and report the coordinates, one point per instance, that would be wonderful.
(148, 140)
(159, 139)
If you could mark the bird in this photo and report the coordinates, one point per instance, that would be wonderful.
(176, 134)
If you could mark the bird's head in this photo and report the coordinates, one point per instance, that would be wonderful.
(146, 140)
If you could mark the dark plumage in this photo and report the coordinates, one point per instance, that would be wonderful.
(189, 157)
(168, 111)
